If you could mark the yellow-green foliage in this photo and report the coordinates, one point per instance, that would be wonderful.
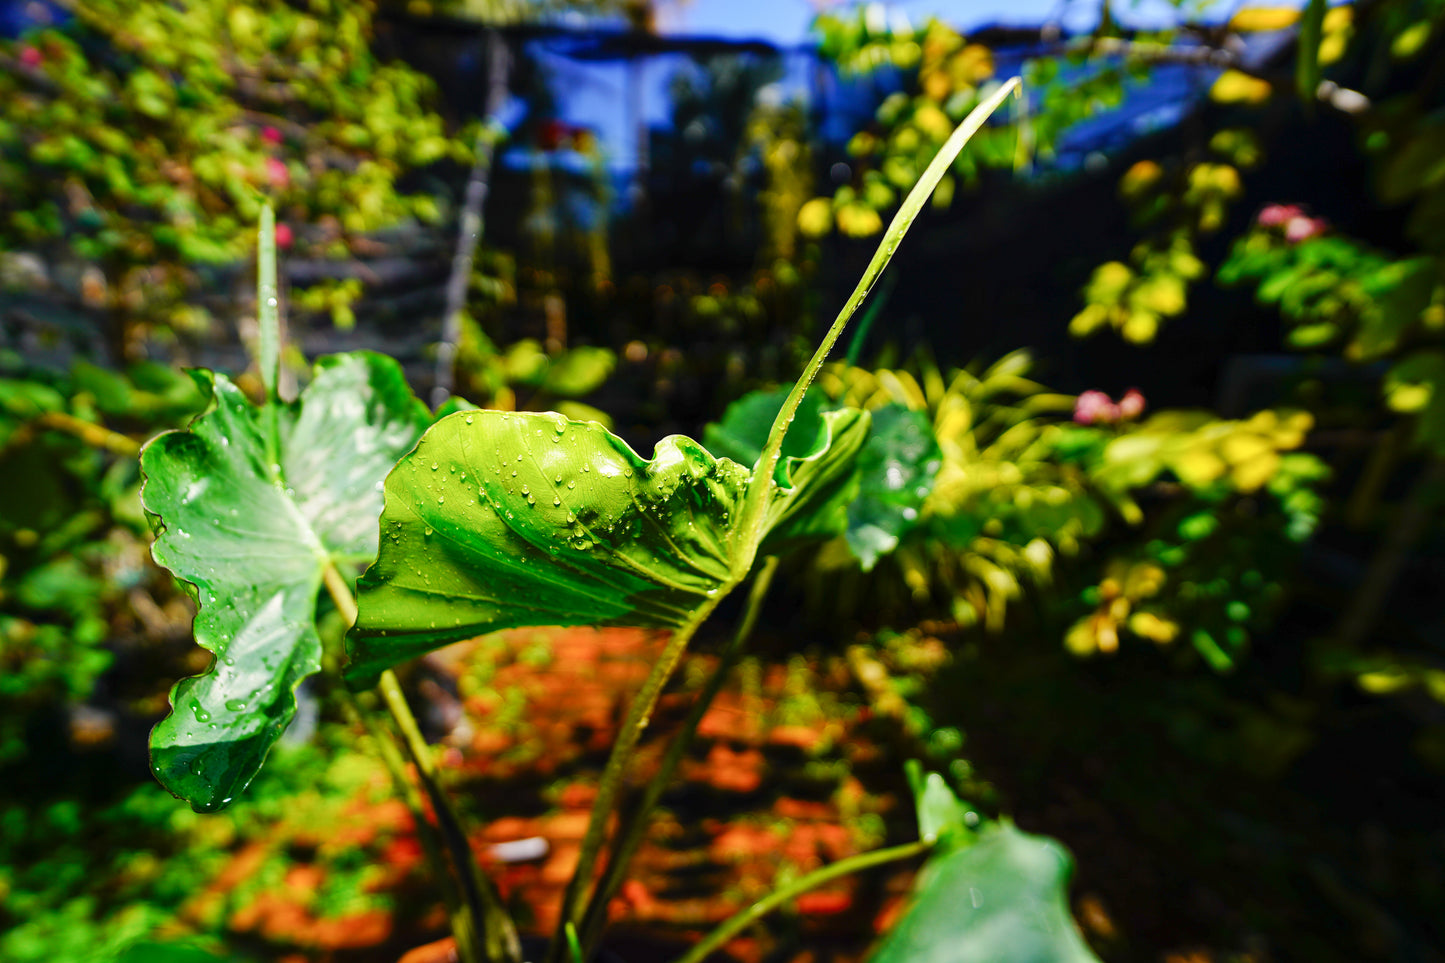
(145, 137)
(1021, 486)
(1175, 204)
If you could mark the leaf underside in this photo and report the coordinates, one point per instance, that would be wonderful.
(506, 519)
(251, 503)
(892, 461)
(1000, 900)
(815, 474)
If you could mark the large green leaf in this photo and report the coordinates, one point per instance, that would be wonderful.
(252, 504)
(502, 519)
(1000, 900)
(896, 471)
(816, 477)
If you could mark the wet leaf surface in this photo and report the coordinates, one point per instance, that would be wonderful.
(507, 519)
(251, 503)
(502, 519)
(896, 471)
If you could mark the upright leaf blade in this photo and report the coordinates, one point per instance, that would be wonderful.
(756, 508)
(268, 312)
(1001, 900)
(502, 519)
(252, 537)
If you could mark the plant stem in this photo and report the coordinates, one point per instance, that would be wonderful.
(754, 514)
(628, 838)
(818, 877)
(340, 593)
(457, 913)
(487, 913)
(96, 436)
(865, 323)
(498, 931)
(1410, 523)
(615, 773)
(268, 355)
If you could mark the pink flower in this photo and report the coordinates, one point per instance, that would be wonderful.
(1303, 228)
(277, 172)
(1276, 214)
(284, 237)
(31, 57)
(1132, 405)
(271, 135)
(1095, 406)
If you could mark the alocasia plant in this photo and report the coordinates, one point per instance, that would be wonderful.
(490, 520)
(256, 504)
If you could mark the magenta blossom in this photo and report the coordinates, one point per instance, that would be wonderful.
(1276, 214)
(1095, 407)
(284, 237)
(1132, 405)
(31, 57)
(271, 135)
(277, 172)
(1303, 228)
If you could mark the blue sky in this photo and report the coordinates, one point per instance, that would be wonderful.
(786, 21)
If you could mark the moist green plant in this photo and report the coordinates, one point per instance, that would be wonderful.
(494, 519)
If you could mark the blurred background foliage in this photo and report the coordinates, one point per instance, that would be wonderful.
(1180, 609)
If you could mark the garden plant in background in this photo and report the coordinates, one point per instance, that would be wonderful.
(138, 147)
(1359, 69)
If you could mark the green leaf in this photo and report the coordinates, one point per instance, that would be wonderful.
(940, 811)
(816, 474)
(112, 393)
(579, 371)
(1001, 900)
(151, 952)
(816, 486)
(875, 502)
(502, 519)
(896, 471)
(1416, 385)
(505, 519)
(1402, 291)
(744, 426)
(252, 504)
(28, 399)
